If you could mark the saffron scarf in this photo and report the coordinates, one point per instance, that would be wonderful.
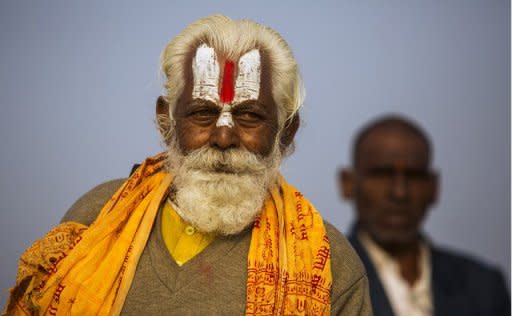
(80, 270)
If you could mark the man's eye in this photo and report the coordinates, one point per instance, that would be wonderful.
(248, 116)
(203, 116)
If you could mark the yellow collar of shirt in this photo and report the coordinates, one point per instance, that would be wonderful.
(183, 241)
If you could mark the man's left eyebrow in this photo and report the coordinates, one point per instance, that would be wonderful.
(201, 102)
(247, 105)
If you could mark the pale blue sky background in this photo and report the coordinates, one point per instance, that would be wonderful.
(78, 81)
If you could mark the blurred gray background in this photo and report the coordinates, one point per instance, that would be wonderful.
(78, 82)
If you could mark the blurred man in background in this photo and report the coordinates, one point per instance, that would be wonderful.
(392, 186)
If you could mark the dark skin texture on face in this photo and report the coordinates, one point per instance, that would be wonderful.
(392, 187)
(255, 127)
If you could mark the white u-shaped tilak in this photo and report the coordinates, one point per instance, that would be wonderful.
(206, 74)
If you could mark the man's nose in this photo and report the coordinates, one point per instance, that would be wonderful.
(224, 138)
(400, 190)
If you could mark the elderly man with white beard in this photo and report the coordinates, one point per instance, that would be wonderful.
(209, 226)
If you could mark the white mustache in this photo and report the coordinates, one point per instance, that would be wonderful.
(239, 161)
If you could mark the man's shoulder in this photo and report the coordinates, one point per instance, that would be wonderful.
(455, 272)
(87, 207)
(462, 264)
(347, 268)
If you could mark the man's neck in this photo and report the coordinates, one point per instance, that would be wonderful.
(406, 256)
(408, 261)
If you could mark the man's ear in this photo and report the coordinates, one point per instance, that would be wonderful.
(346, 183)
(434, 188)
(289, 131)
(162, 107)
(163, 120)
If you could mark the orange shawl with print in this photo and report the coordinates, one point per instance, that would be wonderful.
(79, 270)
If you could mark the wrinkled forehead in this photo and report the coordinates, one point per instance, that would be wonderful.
(224, 81)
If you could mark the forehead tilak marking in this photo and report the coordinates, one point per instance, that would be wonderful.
(247, 86)
(206, 72)
(227, 93)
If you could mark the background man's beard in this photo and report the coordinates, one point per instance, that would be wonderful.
(222, 191)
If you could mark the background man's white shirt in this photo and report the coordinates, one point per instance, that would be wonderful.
(404, 299)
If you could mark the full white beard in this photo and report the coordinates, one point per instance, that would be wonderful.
(221, 191)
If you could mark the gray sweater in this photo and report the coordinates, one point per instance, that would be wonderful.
(214, 281)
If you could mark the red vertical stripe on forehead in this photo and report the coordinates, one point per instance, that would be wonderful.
(227, 92)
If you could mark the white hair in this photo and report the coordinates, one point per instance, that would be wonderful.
(231, 39)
